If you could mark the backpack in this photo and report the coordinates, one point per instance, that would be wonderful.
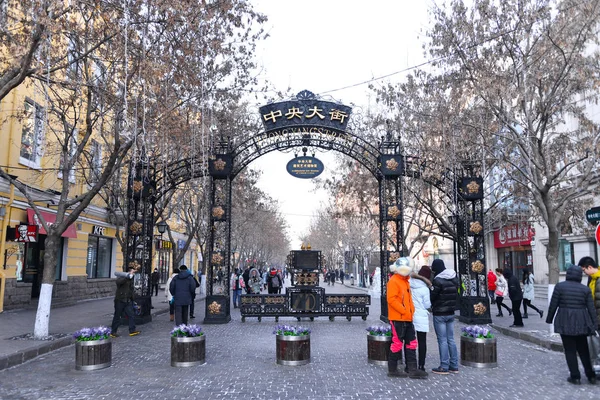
(275, 281)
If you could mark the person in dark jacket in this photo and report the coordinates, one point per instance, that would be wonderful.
(443, 304)
(155, 278)
(124, 303)
(246, 277)
(516, 297)
(576, 319)
(182, 288)
(590, 268)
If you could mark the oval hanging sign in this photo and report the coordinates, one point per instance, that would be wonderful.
(305, 167)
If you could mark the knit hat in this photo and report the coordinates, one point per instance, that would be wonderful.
(425, 272)
(438, 266)
(401, 266)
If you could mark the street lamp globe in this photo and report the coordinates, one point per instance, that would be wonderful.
(162, 227)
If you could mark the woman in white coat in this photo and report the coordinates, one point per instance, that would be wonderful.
(420, 288)
(501, 292)
(529, 293)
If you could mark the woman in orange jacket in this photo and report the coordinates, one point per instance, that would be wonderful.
(400, 315)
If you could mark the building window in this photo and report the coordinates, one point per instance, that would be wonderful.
(565, 255)
(32, 137)
(98, 257)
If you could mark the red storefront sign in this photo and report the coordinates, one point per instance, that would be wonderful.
(513, 235)
(26, 233)
(70, 232)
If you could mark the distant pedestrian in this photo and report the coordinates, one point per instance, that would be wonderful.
(169, 296)
(529, 293)
(254, 281)
(443, 305)
(182, 287)
(246, 276)
(332, 278)
(342, 277)
(501, 293)
(197, 283)
(124, 303)
(516, 297)
(590, 268)
(420, 289)
(155, 278)
(491, 278)
(273, 282)
(237, 284)
(576, 319)
(400, 314)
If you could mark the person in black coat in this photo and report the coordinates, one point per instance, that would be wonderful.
(576, 319)
(183, 288)
(516, 297)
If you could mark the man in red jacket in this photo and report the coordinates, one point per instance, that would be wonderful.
(400, 315)
(491, 277)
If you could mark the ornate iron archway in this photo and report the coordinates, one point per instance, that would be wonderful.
(304, 121)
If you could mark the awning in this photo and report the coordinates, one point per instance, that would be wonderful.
(70, 232)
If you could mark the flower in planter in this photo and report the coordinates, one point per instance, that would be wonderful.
(380, 330)
(187, 331)
(89, 334)
(477, 332)
(289, 330)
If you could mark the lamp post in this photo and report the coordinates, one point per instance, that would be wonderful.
(164, 270)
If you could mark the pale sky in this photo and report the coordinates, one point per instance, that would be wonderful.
(326, 45)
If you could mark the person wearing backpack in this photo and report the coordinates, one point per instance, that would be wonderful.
(273, 282)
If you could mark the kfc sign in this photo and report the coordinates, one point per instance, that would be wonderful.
(26, 233)
(513, 235)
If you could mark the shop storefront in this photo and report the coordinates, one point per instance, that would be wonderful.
(164, 249)
(513, 245)
(99, 253)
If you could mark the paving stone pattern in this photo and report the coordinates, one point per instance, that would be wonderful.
(241, 365)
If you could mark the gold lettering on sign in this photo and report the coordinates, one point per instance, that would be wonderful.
(337, 115)
(293, 112)
(316, 111)
(272, 116)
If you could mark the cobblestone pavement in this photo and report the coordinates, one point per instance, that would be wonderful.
(241, 365)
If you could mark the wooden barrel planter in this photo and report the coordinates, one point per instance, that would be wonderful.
(378, 347)
(292, 350)
(92, 355)
(478, 353)
(188, 351)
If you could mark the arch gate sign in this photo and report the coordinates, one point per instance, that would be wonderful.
(307, 121)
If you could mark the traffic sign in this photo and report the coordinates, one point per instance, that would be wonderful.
(598, 234)
(593, 215)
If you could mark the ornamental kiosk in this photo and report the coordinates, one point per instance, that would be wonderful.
(305, 298)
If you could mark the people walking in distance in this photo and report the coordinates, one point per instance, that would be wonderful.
(575, 320)
(237, 284)
(246, 276)
(282, 280)
(443, 304)
(273, 282)
(170, 298)
(516, 297)
(590, 268)
(400, 314)
(197, 283)
(501, 293)
(332, 278)
(529, 293)
(182, 287)
(341, 277)
(124, 303)
(420, 289)
(254, 281)
(155, 278)
(491, 278)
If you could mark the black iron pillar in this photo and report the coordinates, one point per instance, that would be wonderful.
(219, 262)
(391, 213)
(141, 197)
(474, 301)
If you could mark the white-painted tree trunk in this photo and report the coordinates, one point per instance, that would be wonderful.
(42, 318)
(550, 291)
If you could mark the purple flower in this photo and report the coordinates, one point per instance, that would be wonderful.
(290, 330)
(477, 332)
(380, 330)
(187, 331)
(89, 334)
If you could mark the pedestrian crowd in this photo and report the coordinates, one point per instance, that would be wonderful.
(412, 296)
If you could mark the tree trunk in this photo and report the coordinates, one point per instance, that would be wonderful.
(42, 318)
(552, 256)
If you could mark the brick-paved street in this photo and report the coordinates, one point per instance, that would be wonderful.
(241, 365)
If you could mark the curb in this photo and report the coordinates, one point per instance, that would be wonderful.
(25, 355)
(528, 337)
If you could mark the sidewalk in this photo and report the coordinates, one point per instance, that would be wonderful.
(64, 321)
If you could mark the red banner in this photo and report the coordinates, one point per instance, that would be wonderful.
(513, 235)
(70, 232)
